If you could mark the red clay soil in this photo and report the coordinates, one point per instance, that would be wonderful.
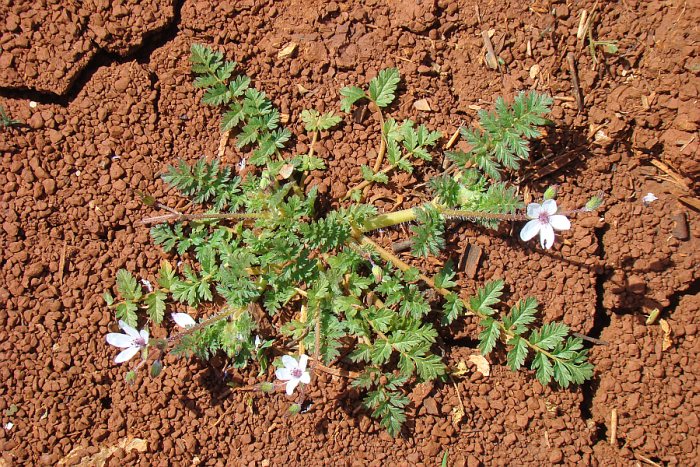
(70, 218)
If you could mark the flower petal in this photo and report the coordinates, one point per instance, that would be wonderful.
(305, 377)
(550, 207)
(534, 210)
(546, 236)
(129, 330)
(560, 222)
(292, 385)
(530, 230)
(127, 354)
(283, 374)
(144, 335)
(119, 340)
(289, 362)
(183, 320)
(303, 360)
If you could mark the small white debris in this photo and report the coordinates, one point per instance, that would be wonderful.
(33, 104)
(287, 51)
(422, 105)
(649, 198)
(146, 283)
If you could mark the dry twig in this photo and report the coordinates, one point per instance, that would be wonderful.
(574, 78)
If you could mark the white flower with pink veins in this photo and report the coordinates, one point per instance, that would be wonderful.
(545, 221)
(294, 372)
(131, 341)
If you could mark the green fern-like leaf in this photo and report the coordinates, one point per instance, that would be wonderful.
(489, 335)
(549, 335)
(155, 302)
(453, 308)
(518, 354)
(351, 94)
(428, 234)
(382, 89)
(488, 295)
(127, 286)
(522, 314)
(315, 121)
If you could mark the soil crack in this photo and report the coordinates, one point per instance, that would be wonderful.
(152, 40)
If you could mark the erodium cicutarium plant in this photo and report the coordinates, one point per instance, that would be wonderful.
(256, 243)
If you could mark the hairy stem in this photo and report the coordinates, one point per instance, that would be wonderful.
(174, 217)
(408, 215)
(225, 313)
(389, 257)
(388, 219)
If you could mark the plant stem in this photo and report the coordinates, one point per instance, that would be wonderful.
(203, 216)
(382, 146)
(407, 215)
(225, 313)
(403, 266)
(388, 219)
(389, 257)
(310, 154)
(459, 213)
(314, 137)
(378, 162)
(366, 183)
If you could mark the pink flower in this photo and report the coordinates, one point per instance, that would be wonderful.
(294, 372)
(131, 341)
(544, 221)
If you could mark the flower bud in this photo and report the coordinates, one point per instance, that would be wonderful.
(377, 273)
(594, 203)
(294, 409)
(267, 387)
(156, 368)
(550, 193)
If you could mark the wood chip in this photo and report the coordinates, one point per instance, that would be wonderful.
(667, 341)
(461, 370)
(403, 245)
(680, 225)
(287, 50)
(602, 139)
(680, 179)
(453, 138)
(574, 78)
(550, 166)
(422, 105)
(534, 71)
(286, 171)
(690, 201)
(470, 260)
(457, 415)
(482, 365)
(581, 32)
(490, 59)
(613, 428)
(222, 144)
